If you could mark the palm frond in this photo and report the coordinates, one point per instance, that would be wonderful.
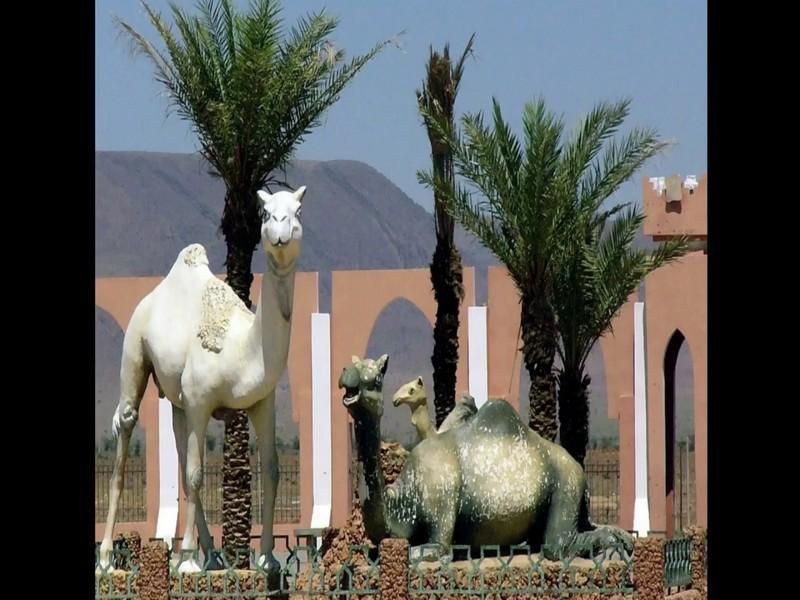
(476, 216)
(619, 163)
(250, 95)
(604, 271)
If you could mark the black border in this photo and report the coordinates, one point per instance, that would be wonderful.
(57, 150)
(748, 516)
(51, 411)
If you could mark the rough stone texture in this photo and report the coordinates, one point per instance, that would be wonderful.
(393, 457)
(685, 595)
(336, 554)
(699, 579)
(217, 304)
(134, 543)
(154, 572)
(394, 569)
(219, 583)
(337, 541)
(115, 584)
(520, 574)
(648, 568)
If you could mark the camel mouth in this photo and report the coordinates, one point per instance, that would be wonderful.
(350, 396)
(397, 401)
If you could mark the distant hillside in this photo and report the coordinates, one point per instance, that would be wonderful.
(150, 205)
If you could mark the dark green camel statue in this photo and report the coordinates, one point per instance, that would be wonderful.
(492, 480)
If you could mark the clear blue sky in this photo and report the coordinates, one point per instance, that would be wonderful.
(574, 53)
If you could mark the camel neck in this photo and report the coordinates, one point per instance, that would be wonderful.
(421, 421)
(368, 443)
(271, 329)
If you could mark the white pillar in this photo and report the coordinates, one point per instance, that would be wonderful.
(168, 473)
(321, 418)
(641, 508)
(478, 354)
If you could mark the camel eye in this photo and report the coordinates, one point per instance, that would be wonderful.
(378, 380)
(299, 212)
(411, 391)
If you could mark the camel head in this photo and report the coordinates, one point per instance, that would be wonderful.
(363, 385)
(281, 229)
(413, 393)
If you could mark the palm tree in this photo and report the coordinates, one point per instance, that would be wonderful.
(597, 276)
(252, 93)
(438, 96)
(531, 197)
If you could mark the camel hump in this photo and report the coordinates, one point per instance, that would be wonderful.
(500, 418)
(216, 306)
(193, 255)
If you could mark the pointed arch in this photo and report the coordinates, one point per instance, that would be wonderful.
(404, 332)
(678, 433)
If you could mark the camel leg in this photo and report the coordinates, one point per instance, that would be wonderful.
(181, 440)
(561, 529)
(133, 381)
(441, 534)
(262, 414)
(563, 537)
(197, 422)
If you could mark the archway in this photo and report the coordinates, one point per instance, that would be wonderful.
(680, 484)
(404, 333)
(108, 338)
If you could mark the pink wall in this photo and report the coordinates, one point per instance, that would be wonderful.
(676, 299)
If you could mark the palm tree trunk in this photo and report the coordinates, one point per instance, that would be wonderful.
(539, 350)
(448, 289)
(236, 476)
(573, 413)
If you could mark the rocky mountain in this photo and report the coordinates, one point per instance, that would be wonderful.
(150, 205)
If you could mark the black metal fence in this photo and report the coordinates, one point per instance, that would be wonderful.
(133, 504)
(287, 501)
(684, 512)
(603, 479)
(602, 475)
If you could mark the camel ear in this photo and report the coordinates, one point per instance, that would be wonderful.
(419, 381)
(263, 196)
(383, 363)
(301, 191)
(355, 359)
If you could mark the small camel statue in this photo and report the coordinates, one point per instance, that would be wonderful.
(207, 353)
(492, 480)
(414, 395)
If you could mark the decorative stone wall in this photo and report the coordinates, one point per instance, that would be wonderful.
(394, 569)
(648, 568)
(154, 572)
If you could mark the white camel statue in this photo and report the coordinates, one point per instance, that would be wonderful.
(206, 351)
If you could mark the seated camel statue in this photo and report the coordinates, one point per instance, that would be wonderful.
(493, 480)
(414, 395)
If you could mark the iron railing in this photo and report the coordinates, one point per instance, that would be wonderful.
(287, 500)
(119, 579)
(677, 562)
(133, 503)
(498, 572)
(511, 572)
(603, 480)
